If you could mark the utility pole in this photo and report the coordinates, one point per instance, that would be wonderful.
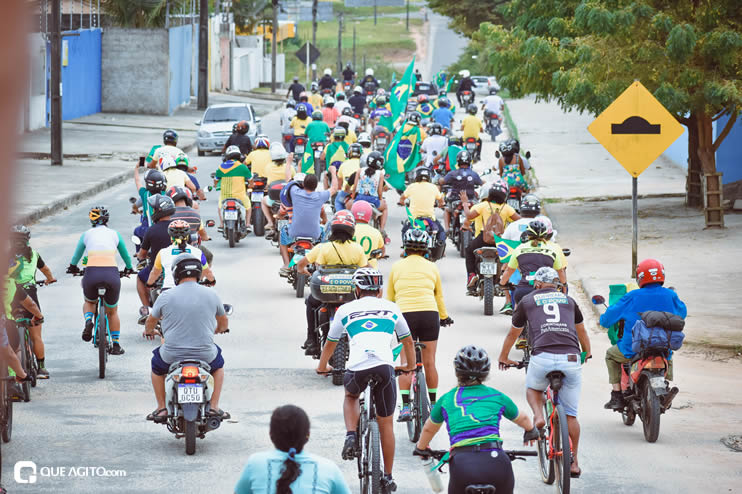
(203, 55)
(274, 45)
(314, 35)
(340, 42)
(374, 12)
(56, 83)
(407, 22)
(355, 67)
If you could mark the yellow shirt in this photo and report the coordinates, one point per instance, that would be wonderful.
(562, 258)
(316, 101)
(415, 285)
(545, 248)
(299, 126)
(326, 254)
(175, 177)
(350, 138)
(422, 196)
(471, 126)
(259, 161)
(485, 210)
(348, 168)
(277, 173)
(369, 238)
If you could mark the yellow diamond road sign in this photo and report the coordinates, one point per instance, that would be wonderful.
(636, 129)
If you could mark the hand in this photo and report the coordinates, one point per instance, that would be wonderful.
(505, 363)
(327, 369)
(304, 271)
(446, 322)
(424, 453)
(128, 272)
(73, 269)
(463, 196)
(529, 437)
(149, 335)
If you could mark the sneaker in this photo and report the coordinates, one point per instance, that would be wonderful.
(87, 333)
(307, 343)
(616, 402)
(521, 344)
(143, 314)
(405, 415)
(42, 373)
(507, 309)
(116, 349)
(387, 484)
(472, 281)
(284, 272)
(349, 448)
(15, 393)
(312, 349)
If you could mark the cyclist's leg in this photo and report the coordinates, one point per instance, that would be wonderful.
(536, 383)
(159, 372)
(569, 397)
(35, 330)
(385, 396)
(354, 385)
(111, 300)
(429, 325)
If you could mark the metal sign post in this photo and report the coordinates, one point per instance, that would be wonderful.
(634, 224)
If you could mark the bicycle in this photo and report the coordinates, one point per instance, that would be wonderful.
(101, 331)
(554, 460)
(419, 398)
(6, 405)
(27, 357)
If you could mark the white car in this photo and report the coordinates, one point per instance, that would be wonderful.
(216, 125)
(484, 83)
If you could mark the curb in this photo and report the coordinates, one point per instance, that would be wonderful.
(250, 94)
(36, 155)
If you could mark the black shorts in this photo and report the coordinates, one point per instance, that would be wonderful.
(521, 291)
(33, 293)
(481, 467)
(385, 392)
(424, 325)
(102, 277)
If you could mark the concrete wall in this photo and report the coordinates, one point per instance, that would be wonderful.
(370, 3)
(180, 48)
(135, 71)
(34, 111)
(81, 74)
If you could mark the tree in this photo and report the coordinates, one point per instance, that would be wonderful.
(583, 54)
(467, 15)
(249, 13)
(140, 13)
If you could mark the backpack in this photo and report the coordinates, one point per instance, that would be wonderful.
(494, 226)
(657, 330)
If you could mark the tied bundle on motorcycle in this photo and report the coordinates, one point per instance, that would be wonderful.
(657, 330)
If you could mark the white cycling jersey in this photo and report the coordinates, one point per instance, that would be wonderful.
(166, 257)
(494, 103)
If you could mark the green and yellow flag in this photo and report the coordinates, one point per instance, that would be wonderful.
(401, 92)
(307, 160)
(402, 155)
(505, 248)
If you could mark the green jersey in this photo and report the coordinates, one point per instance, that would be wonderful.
(317, 131)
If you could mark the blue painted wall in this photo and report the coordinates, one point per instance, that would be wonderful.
(729, 154)
(81, 77)
(678, 150)
(180, 50)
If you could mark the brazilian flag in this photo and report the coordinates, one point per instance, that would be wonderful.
(307, 160)
(453, 151)
(440, 79)
(336, 151)
(401, 92)
(402, 155)
(505, 248)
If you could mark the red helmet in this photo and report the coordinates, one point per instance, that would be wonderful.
(362, 211)
(650, 271)
(422, 98)
(343, 221)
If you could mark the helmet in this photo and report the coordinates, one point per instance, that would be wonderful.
(357, 90)
(162, 206)
(233, 153)
(278, 152)
(547, 222)
(186, 266)
(303, 96)
(316, 115)
(328, 71)
(20, 233)
(262, 142)
(471, 109)
(530, 204)
(170, 136)
(493, 89)
(179, 230)
(536, 230)
(355, 150)
(180, 194)
(290, 103)
(347, 111)
(498, 192)
(243, 127)
(347, 65)
(343, 221)
(362, 211)
(314, 87)
(465, 73)
(339, 132)
(472, 362)
(414, 118)
(422, 173)
(368, 279)
(546, 274)
(166, 162)
(444, 102)
(301, 111)
(329, 101)
(340, 96)
(99, 214)
(436, 129)
(506, 147)
(370, 72)
(344, 124)
(375, 160)
(422, 98)
(181, 161)
(364, 139)
(155, 182)
(381, 92)
(234, 127)
(516, 145)
(415, 239)
(650, 271)
(463, 158)
(380, 100)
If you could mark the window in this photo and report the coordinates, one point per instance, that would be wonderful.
(228, 114)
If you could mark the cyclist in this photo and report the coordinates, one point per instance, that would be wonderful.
(369, 186)
(289, 468)
(180, 234)
(240, 138)
(259, 159)
(370, 355)
(15, 299)
(651, 295)
(348, 168)
(415, 285)
(556, 333)
(366, 235)
(340, 250)
(472, 412)
(101, 243)
(20, 236)
(471, 126)
(233, 176)
(462, 178)
(423, 196)
(190, 315)
(169, 148)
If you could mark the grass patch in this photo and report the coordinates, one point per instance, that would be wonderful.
(510, 123)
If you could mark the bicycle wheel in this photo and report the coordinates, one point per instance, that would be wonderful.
(7, 410)
(101, 331)
(338, 359)
(375, 457)
(423, 401)
(25, 363)
(363, 453)
(33, 363)
(546, 465)
(562, 452)
(412, 432)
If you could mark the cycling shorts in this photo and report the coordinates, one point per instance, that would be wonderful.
(480, 467)
(424, 325)
(102, 277)
(543, 363)
(385, 391)
(143, 273)
(32, 292)
(161, 368)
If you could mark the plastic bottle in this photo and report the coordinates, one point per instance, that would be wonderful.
(433, 475)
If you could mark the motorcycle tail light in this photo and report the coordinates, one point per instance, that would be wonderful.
(304, 245)
(190, 372)
(231, 205)
(478, 252)
(513, 190)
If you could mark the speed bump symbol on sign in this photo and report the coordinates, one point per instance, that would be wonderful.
(636, 129)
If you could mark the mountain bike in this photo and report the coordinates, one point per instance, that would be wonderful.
(419, 398)
(28, 357)
(6, 405)
(554, 446)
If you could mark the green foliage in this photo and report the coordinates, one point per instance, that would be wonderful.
(680, 43)
(247, 13)
(467, 15)
(140, 13)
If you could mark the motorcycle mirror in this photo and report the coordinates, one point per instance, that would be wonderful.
(136, 240)
(132, 200)
(209, 188)
(566, 252)
(598, 299)
(528, 154)
(210, 223)
(229, 309)
(497, 154)
(212, 174)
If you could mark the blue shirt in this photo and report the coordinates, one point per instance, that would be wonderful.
(651, 297)
(307, 208)
(443, 116)
(308, 106)
(318, 475)
(462, 179)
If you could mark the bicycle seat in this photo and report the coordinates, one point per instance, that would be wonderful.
(419, 345)
(555, 379)
(480, 489)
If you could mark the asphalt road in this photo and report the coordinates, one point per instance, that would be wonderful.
(444, 47)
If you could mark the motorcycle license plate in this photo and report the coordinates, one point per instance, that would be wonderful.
(257, 196)
(282, 223)
(470, 146)
(487, 268)
(230, 215)
(657, 382)
(382, 141)
(299, 150)
(190, 393)
(514, 203)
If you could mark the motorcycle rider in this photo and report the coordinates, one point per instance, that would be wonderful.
(347, 116)
(304, 100)
(493, 105)
(260, 159)
(180, 234)
(348, 73)
(315, 99)
(233, 177)
(357, 101)
(364, 139)
(651, 295)
(370, 355)
(350, 136)
(169, 148)
(434, 145)
(341, 103)
(424, 107)
(369, 186)
(174, 176)
(465, 84)
(240, 138)
(300, 122)
(190, 315)
(279, 170)
(471, 126)
(183, 211)
(285, 118)
(330, 114)
(511, 167)
(101, 244)
(370, 80)
(20, 237)
(366, 235)
(317, 130)
(462, 178)
(345, 171)
(423, 196)
(327, 81)
(381, 115)
(556, 332)
(295, 89)
(443, 114)
(340, 250)
(337, 151)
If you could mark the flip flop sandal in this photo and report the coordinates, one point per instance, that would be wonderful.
(156, 417)
(219, 413)
(576, 475)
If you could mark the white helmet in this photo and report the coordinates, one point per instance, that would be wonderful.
(328, 100)
(464, 73)
(328, 71)
(357, 89)
(364, 139)
(369, 71)
(166, 162)
(278, 152)
(232, 153)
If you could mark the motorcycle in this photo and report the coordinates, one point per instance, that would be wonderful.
(381, 139)
(274, 193)
(347, 87)
(257, 218)
(298, 250)
(471, 145)
(487, 266)
(317, 150)
(460, 236)
(467, 98)
(514, 195)
(287, 140)
(233, 214)
(300, 144)
(326, 91)
(492, 124)
(436, 248)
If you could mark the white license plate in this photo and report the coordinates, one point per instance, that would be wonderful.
(487, 268)
(219, 143)
(514, 203)
(190, 393)
(230, 215)
(657, 382)
(299, 150)
(257, 196)
(382, 142)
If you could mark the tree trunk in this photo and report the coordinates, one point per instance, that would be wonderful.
(694, 193)
(713, 210)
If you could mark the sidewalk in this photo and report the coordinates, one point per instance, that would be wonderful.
(587, 195)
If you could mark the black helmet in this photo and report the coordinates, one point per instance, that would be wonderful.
(416, 239)
(98, 215)
(537, 230)
(20, 233)
(506, 147)
(472, 362)
(436, 129)
(347, 111)
(498, 192)
(471, 109)
(516, 144)
(422, 173)
(493, 90)
(316, 115)
(463, 158)
(180, 194)
(355, 150)
(162, 206)
(301, 112)
(170, 136)
(186, 266)
(179, 230)
(530, 204)
(414, 118)
(155, 181)
(375, 160)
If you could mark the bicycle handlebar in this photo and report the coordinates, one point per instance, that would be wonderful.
(122, 273)
(439, 454)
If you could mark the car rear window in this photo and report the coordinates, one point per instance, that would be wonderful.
(425, 88)
(227, 114)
